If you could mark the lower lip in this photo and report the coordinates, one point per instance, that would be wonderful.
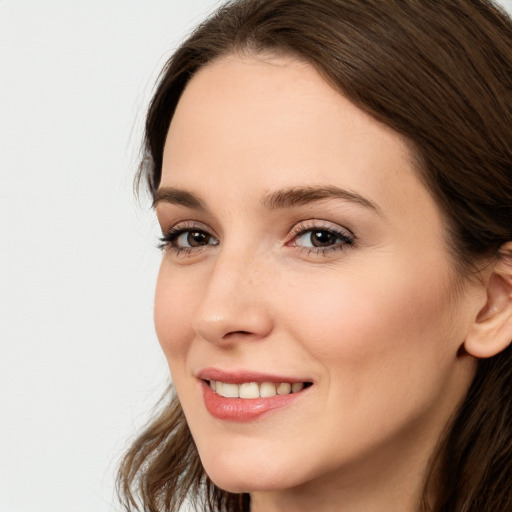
(243, 409)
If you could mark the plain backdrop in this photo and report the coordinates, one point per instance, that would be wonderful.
(80, 366)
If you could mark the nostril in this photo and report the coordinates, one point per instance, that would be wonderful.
(234, 333)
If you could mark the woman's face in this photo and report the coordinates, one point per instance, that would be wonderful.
(302, 250)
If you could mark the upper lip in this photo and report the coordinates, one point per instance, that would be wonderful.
(241, 376)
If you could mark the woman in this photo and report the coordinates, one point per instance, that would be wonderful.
(333, 180)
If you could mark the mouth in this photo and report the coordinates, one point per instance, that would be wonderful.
(254, 390)
(247, 396)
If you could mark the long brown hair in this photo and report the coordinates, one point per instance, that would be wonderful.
(437, 72)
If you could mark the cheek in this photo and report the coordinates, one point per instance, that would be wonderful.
(384, 346)
(174, 303)
(374, 328)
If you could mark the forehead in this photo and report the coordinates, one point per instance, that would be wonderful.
(258, 123)
(271, 98)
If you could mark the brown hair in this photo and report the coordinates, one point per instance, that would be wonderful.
(439, 73)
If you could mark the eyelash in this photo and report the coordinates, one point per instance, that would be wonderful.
(346, 237)
(168, 240)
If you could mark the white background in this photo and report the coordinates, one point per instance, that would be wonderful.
(80, 367)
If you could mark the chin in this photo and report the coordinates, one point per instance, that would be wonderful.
(240, 484)
(248, 475)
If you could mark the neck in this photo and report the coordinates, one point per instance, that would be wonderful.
(390, 494)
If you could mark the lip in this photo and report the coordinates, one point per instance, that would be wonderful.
(241, 376)
(242, 410)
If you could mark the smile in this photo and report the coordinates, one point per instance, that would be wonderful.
(245, 396)
(252, 390)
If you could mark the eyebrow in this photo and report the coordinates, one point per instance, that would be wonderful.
(298, 196)
(178, 196)
(285, 198)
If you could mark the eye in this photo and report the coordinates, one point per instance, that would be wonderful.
(192, 239)
(184, 238)
(320, 238)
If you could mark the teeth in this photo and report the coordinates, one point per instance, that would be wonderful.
(255, 390)
(284, 388)
(229, 390)
(297, 386)
(267, 389)
(249, 390)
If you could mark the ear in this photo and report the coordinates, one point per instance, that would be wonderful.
(491, 331)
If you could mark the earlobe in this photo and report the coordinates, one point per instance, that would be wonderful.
(491, 331)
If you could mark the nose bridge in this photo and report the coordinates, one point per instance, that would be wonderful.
(234, 301)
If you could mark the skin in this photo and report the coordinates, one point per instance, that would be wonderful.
(377, 325)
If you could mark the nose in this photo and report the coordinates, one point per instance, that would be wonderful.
(235, 305)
